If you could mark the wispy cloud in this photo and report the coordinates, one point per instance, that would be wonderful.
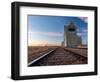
(85, 19)
(46, 33)
(85, 30)
(82, 32)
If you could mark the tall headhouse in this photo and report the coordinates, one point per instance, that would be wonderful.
(71, 39)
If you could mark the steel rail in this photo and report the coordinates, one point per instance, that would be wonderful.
(41, 57)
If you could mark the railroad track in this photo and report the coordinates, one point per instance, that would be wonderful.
(59, 56)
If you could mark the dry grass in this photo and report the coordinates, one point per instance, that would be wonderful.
(34, 51)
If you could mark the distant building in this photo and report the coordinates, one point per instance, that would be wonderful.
(71, 39)
(62, 44)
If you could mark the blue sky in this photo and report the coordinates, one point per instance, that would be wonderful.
(49, 30)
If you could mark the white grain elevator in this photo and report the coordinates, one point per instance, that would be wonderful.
(71, 39)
